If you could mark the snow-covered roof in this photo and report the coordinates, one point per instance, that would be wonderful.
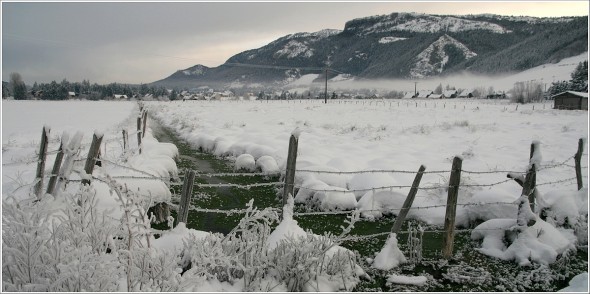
(435, 96)
(409, 95)
(465, 93)
(580, 94)
(448, 93)
(424, 93)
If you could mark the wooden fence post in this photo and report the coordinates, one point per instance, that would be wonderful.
(144, 118)
(528, 187)
(397, 224)
(449, 234)
(578, 160)
(41, 164)
(56, 167)
(92, 154)
(185, 197)
(125, 140)
(139, 133)
(290, 172)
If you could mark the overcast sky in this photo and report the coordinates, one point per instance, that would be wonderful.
(144, 42)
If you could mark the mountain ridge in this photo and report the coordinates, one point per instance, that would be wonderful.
(401, 45)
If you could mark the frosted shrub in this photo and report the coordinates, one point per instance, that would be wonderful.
(238, 255)
(310, 263)
(24, 247)
(66, 251)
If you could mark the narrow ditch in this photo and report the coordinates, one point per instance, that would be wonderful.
(235, 198)
(215, 198)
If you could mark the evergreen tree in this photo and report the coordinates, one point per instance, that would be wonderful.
(579, 81)
(19, 89)
(438, 89)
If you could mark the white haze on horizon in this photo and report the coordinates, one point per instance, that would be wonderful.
(544, 74)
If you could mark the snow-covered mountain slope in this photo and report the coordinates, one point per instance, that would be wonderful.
(401, 45)
(433, 59)
(196, 70)
(421, 23)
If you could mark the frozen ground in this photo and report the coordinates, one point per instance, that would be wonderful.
(343, 138)
(339, 137)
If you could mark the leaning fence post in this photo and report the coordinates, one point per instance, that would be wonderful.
(449, 234)
(139, 133)
(578, 160)
(41, 164)
(290, 172)
(528, 187)
(397, 225)
(144, 118)
(124, 140)
(91, 159)
(185, 197)
(56, 166)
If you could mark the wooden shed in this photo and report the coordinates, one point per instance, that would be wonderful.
(570, 100)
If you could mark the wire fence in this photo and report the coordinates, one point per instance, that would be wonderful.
(181, 179)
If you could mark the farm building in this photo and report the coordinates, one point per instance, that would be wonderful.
(409, 95)
(436, 96)
(571, 100)
(466, 94)
(450, 94)
(424, 94)
(496, 95)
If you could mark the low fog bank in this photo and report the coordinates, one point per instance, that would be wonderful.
(543, 74)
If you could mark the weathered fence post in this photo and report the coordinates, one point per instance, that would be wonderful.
(56, 166)
(449, 234)
(125, 138)
(41, 164)
(92, 154)
(139, 133)
(290, 172)
(578, 160)
(397, 224)
(144, 118)
(529, 184)
(185, 196)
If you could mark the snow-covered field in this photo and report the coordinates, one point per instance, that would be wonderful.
(491, 136)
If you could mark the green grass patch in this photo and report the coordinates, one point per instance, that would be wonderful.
(468, 270)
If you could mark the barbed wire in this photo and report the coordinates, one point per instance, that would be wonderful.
(241, 186)
(221, 211)
(389, 210)
(22, 161)
(369, 171)
(126, 167)
(375, 235)
(210, 175)
(557, 182)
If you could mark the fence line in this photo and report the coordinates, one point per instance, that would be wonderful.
(340, 212)
(245, 186)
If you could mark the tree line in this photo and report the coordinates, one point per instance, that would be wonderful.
(61, 91)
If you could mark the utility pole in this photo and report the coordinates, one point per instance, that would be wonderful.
(326, 88)
(415, 86)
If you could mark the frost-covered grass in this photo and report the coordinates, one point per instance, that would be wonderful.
(358, 135)
(111, 247)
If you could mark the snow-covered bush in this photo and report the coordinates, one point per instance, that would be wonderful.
(64, 250)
